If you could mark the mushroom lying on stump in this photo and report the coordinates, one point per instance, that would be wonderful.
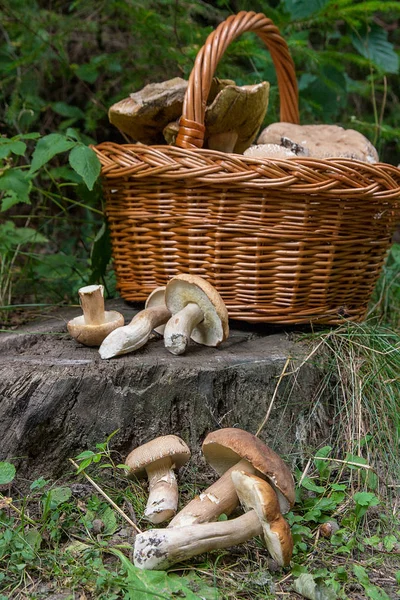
(228, 450)
(134, 335)
(158, 459)
(198, 313)
(161, 548)
(95, 324)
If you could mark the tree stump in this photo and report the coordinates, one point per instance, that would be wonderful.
(58, 398)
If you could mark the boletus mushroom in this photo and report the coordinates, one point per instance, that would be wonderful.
(157, 459)
(227, 450)
(320, 141)
(96, 323)
(161, 548)
(198, 313)
(144, 114)
(235, 116)
(134, 335)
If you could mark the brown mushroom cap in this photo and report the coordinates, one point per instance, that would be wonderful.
(145, 113)
(237, 109)
(226, 447)
(186, 289)
(157, 450)
(255, 493)
(322, 141)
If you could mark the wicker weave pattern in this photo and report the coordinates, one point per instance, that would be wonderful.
(283, 241)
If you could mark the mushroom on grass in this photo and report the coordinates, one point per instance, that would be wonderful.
(134, 335)
(158, 459)
(161, 548)
(228, 450)
(95, 324)
(198, 312)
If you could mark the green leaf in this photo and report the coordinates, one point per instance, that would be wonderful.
(85, 454)
(66, 110)
(85, 162)
(306, 586)
(372, 42)
(11, 147)
(101, 254)
(88, 72)
(301, 9)
(109, 519)
(308, 484)
(34, 539)
(150, 585)
(17, 186)
(323, 465)
(11, 236)
(47, 148)
(365, 499)
(7, 473)
(57, 496)
(389, 541)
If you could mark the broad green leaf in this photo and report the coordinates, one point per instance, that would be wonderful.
(88, 72)
(389, 541)
(17, 186)
(306, 586)
(11, 147)
(323, 465)
(85, 162)
(365, 499)
(47, 148)
(150, 585)
(308, 484)
(7, 473)
(34, 539)
(66, 110)
(109, 519)
(372, 42)
(57, 496)
(11, 236)
(85, 454)
(301, 9)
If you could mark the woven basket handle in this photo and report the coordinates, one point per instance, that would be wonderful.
(191, 126)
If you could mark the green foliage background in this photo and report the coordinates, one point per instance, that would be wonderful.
(63, 64)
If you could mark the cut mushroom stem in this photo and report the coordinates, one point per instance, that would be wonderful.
(95, 324)
(159, 549)
(92, 303)
(220, 498)
(134, 335)
(179, 328)
(163, 491)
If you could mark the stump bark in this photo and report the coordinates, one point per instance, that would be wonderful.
(58, 398)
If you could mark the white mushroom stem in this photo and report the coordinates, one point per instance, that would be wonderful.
(92, 303)
(161, 548)
(220, 498)
(163, 491)
(133, 336)
(180, 326)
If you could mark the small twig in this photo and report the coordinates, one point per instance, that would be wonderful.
(98, 488)
(8, 503)
(303, 475)
(274, 396)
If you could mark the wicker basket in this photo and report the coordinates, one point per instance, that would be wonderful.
(284, 241)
